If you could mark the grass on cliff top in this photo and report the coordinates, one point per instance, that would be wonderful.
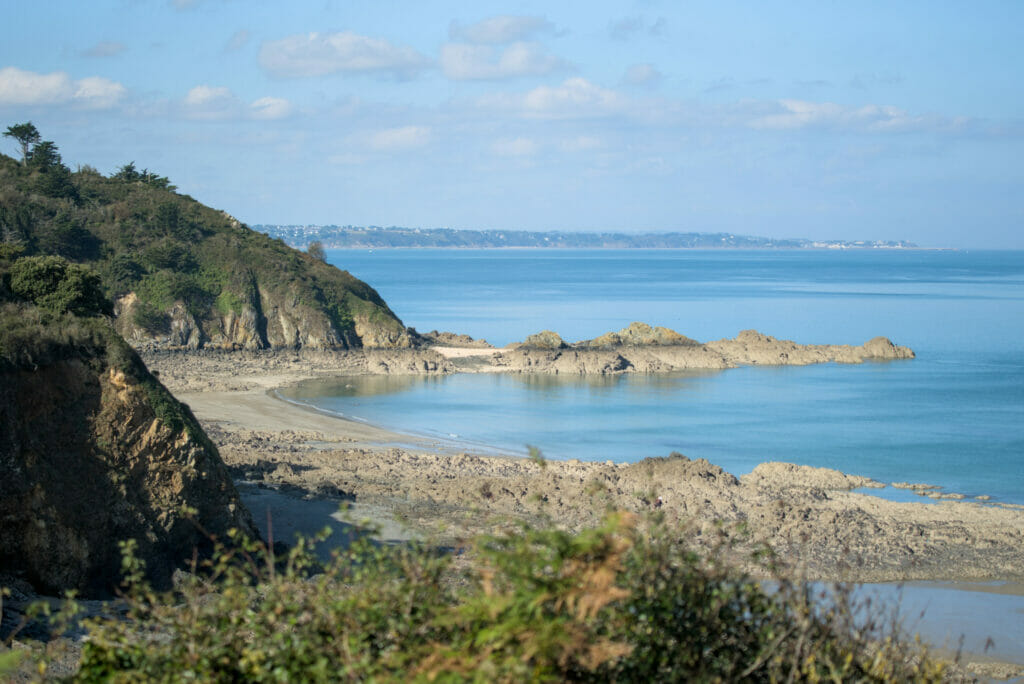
(627, 601)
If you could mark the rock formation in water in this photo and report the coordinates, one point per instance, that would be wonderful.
(639, 348)
(638, 335)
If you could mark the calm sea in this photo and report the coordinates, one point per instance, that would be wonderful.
(952, 417)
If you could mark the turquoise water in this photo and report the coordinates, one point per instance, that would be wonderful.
(952, 417)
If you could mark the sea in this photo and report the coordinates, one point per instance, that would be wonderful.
(952, 417)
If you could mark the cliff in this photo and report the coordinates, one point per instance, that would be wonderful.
(96, 451)
(183, 275)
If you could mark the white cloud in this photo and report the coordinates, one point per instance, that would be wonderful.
(402, 138)
(575, 98)
(791, 114)
(320, 54)
(267, 108)
(464, 62)
(99, 93)
(209, 102)
(20, 87)
(515, 147)
(641, 75)
(218, 102)
(500, 29)
(203, 95)
(105, 48)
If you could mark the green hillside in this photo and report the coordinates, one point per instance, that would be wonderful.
(181, 273)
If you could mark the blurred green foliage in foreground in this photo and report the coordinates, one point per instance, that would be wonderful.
(627, 601)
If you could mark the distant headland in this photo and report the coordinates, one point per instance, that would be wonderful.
(374, 237)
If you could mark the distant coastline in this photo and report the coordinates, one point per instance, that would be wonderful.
(376, 237)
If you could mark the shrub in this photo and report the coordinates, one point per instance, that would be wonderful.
(228, 302)
(67, 238)
(53, 283)
(169, 254)
(9, 251)
(622, 602)
(163, 288)
(122, 272)
(151, 319)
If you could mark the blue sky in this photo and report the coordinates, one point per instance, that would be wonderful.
(859, 120)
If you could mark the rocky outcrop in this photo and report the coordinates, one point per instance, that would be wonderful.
(94, 452)
(753, 348)
(545, 339)
(805, 516)
(787, 475)
(638, 335)
(640, 348)
(270, 320)
(450, 339)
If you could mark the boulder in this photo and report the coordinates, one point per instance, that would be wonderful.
(545, 339)
(638, 335)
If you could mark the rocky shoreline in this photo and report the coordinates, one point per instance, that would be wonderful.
(807, 516)
(638, 348)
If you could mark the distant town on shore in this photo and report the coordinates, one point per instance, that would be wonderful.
(338, 237)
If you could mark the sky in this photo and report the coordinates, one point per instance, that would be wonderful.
(814, 119)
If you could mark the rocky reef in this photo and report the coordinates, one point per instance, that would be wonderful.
(640, 348)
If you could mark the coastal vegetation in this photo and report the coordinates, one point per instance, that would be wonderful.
(624, 601)
(176, 264)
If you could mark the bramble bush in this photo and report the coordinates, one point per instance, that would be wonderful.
(626, 601)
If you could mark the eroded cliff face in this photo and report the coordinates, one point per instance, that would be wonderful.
(271, 318)
(92, 455)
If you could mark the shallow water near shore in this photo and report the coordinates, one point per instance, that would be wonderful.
(953, 417)
(955, 618)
